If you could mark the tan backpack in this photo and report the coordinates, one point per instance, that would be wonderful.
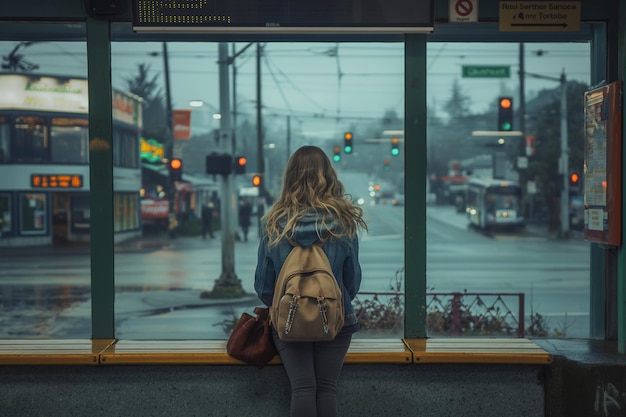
(307, 304)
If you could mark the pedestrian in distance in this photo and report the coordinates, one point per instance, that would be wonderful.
(207, 220)
(245, 212)
(312, 207)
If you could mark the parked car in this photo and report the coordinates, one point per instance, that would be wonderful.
(577, 213)
(398, 200)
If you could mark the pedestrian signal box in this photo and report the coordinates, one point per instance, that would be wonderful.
(219, 164)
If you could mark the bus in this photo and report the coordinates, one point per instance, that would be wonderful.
(44, 160)
(494, 204)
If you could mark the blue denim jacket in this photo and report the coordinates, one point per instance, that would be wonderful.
(343, 254)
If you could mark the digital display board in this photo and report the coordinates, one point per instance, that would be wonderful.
(56, 181)
(283, 16)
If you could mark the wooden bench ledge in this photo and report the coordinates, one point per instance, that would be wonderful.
(214, 352)
(478, 350)
(52, 352)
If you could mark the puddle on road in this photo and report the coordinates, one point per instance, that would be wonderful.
(31, 311)
(35, 311)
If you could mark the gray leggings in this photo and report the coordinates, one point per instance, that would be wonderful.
(313, 369)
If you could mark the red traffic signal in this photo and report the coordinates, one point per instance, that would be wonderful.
(574, 178)
(505, 103)
(176, 169)
(257, 180)
(240, 164)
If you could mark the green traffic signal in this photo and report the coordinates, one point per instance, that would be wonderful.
(395, 151)
(337, 154)
(347, 142)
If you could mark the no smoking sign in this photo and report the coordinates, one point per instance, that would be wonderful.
(463, 11)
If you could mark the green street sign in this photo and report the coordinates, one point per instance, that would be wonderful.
(486, 71)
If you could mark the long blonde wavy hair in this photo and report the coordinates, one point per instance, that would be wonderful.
(310, 183)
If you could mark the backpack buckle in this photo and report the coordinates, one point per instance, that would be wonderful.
(321, 304)
(293, 307)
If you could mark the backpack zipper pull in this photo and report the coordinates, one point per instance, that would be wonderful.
(321, 303)
(293, 307)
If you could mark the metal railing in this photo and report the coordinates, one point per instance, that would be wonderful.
(454, 313)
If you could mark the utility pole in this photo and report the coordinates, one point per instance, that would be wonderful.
(259, 137)
(169, 149)
(288, 136)
(521, 148)
(564, 159)
(522, 96)
(228, 285)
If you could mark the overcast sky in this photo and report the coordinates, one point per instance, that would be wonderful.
(307, 80)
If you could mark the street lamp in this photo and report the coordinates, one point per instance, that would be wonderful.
(215, 113)
(201, 103)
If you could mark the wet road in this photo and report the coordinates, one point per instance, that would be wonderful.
(48, 296)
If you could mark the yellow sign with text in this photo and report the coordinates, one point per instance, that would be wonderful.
(539, 16)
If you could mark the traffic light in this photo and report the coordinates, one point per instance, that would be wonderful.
(505, 114)
(347, 142)
(337, 154)
(176, 169)
(257, 180)
(221, 164)
(386, 164)
(574, 178)
(240, 165)
(395, 151)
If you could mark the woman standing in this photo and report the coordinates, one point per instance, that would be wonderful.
(312, 207)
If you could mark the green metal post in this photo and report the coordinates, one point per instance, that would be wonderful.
(101, 178)
(415, 184)
(621, 251)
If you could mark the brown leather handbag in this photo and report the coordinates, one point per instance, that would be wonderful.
(251, 339)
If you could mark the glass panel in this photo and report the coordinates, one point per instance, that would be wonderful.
(32, 214)
(70, 141)
(31, 139)
(499, 262)
(44, 190)
(312, 94)
(5, 214)
(5, 138)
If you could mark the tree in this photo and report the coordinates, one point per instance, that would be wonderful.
(154, 113)
(458, 105)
